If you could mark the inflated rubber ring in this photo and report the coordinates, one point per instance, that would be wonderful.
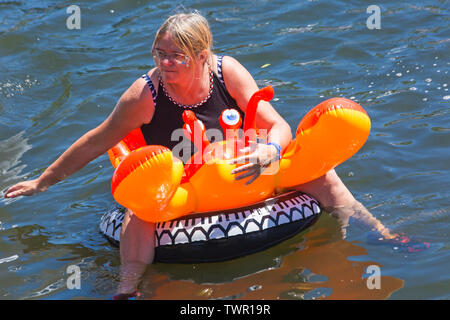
(226, 234)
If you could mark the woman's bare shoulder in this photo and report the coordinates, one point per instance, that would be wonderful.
(139, 89)
(239, 82)
(138, 98)
(230, 63)
(234, 72)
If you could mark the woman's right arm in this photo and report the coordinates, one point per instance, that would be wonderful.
(134, 108)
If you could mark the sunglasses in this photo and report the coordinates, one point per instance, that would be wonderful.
(178, 58)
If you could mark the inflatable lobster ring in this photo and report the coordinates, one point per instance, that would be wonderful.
(202, 213)
(158, 187)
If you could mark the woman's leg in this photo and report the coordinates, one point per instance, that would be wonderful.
(336, 199)
(137, 249)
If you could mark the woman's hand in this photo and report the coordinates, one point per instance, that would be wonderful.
(258, 158)
(25, 188)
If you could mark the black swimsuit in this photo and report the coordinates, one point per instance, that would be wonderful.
(162, 130)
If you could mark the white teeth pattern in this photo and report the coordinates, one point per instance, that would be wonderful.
(269, 223)
(316, 208)
(280, 210)
(308, 212)
(165, 238)
(235, 230)
(283, 219)
(216, 233)
(296, 215)
(111, 223)
(252, 227)
(197, 234)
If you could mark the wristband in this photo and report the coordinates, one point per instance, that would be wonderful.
(278, 148)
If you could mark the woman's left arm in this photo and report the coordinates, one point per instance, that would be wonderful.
(241, 86)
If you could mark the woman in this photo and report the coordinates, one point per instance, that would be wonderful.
(187, 76)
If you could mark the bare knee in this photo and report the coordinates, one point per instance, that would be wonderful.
(129, 218)
(137, 239)
(329, 190)
(131, 221)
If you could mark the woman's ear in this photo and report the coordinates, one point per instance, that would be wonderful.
(203, 56)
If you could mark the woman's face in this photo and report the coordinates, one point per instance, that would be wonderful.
(174, 65)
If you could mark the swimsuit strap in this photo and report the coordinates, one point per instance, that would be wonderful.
(151, 87)
(219, 69)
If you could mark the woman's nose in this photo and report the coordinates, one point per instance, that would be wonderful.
(166, 61)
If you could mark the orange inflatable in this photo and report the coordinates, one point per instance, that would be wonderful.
(158, 187)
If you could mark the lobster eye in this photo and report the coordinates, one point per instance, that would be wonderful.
(230, 117)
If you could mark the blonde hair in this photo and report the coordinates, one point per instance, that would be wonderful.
(190, 32)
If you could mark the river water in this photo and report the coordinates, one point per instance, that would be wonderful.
(57, 83)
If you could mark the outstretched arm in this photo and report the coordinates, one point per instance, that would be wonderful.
(130, 112)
